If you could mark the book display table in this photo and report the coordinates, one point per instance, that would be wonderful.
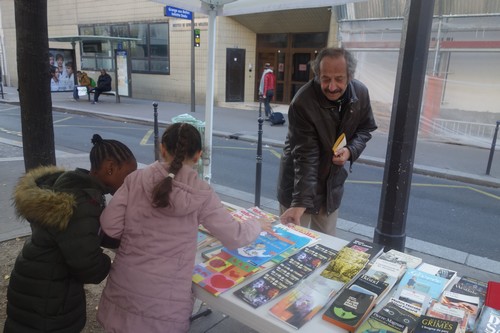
(260, 319)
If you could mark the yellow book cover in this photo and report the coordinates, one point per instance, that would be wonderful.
(339, 143)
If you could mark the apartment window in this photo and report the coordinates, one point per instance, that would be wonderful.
(148, 55)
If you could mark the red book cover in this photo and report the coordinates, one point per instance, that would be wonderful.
(493, 295)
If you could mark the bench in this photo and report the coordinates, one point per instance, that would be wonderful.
(108, 93)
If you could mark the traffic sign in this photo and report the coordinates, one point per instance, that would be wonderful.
(178, 12)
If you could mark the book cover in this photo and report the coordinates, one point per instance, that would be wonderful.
(402, 258)
(387, 272)
(413, 309)
(427, 324)
(221, 273)
(413, 297)
(488, 321)
(285, 275)
(377, 322)
(369, 285)
(444, 273)
(492, 298)
(349, 309)
(467, 303)
(301, 304)
(341, 142)
(373, 249)
(449, 312)
(394, 311)
(424, 282)
(346, 265)
(263, 249)
(467, 285)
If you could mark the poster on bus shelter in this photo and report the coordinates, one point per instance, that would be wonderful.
(62, 68)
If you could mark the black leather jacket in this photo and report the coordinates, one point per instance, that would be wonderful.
(308, 178)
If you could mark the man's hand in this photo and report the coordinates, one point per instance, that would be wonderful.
(341, 156)
(292, 215)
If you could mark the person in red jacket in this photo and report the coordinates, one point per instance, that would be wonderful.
(266, 88)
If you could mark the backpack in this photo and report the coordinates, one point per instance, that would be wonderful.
(92, 82)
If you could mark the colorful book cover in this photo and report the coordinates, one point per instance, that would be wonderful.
(349, 309)
(267, 246)
(369, 285)
(346, 265)
(424, 282)
(488, 321)
(302, 303)
(285, 275)
(449, 312)
(468, 303)
(221, 273)
(378, 323)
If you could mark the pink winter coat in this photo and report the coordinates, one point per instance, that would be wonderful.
(149, 285)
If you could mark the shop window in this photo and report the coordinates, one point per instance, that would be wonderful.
(148, 55)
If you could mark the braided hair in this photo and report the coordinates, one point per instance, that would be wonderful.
(108, 149)
(182, 141)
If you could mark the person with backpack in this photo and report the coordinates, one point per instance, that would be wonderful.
(266, 88)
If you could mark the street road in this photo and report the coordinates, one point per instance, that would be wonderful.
(452, 214)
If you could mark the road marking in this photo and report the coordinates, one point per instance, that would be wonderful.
(63, 119)
(467, 187)
(4, 130)
(145, 139)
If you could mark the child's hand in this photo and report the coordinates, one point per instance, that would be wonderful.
(266, 226)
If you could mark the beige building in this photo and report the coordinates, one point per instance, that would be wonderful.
(464, 60)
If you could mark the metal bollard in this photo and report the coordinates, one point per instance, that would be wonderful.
(492, 150)
(155, 129)
(258, 170)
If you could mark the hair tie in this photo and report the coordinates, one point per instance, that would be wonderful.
(171, 175)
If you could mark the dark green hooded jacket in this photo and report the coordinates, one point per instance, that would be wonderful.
(45, 292)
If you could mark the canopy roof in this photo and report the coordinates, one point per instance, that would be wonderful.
(241, 7)
(81, 38)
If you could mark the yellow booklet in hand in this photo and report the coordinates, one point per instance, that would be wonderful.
(340, 143)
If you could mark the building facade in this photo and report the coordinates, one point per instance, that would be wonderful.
(160, 60)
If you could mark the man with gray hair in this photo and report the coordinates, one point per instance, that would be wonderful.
(312, 173)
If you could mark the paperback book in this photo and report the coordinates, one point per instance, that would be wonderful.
(386, 272)
(447, 274)
(373, 249)
(377, 322)
(349, 309)
(492, 298)
(285, 275)
(230, 267)
(449, 312)
(303, 302)
(404, 259)
(346, 265)
(488, 321)
(470, 286)
(424, 281)
(469, 304)
(427, 324)
(413, 297)
(400, 313)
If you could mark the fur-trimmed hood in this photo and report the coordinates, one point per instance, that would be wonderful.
(44, 195)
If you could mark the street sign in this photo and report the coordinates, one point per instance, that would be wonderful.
(178, 12)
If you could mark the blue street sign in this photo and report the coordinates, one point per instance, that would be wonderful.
(178, 12)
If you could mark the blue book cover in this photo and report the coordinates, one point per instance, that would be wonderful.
(423, 282)
(267, 246)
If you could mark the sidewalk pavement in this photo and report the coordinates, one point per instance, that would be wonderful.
(239, 121)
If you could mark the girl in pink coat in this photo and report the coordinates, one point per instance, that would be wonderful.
(156, 214)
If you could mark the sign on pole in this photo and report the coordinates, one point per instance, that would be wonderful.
(178, 12)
